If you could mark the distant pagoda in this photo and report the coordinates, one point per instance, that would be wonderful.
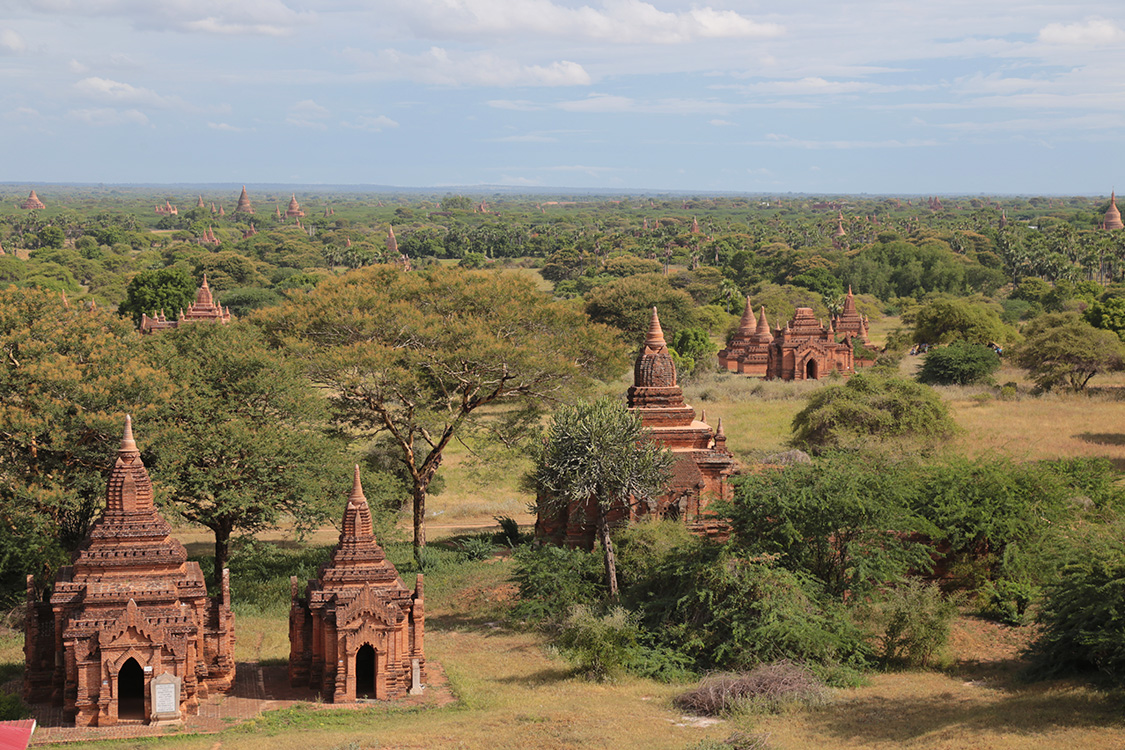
(1112, 218)
(32, 202)
(244, 206)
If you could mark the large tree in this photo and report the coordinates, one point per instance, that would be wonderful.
(241, 444)
(418, 355)
(1063, 349)
(68, 376)
(149, 292)
(600, 452)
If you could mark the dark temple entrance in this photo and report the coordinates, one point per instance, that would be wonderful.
(131, 691)
(810, 370)
(365, 672)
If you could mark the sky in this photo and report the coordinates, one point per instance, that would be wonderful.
(939, 97)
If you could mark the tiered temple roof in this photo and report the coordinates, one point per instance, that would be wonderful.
(807, 350)
(244, 206)
(849, 322)
(294, 209)
(1113, 215)
(130, 609)
(748, 350)
(702, 462)
(357, 631)
(32, 202)
(204, 309)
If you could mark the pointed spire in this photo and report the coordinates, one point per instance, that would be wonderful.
(655, 339)
(356, 496)
(719, 429)
(65, 301)
(747, 321)
(763, 324)
(703, 415)
(128, 445)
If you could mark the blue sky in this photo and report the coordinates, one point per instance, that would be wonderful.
(990, 96)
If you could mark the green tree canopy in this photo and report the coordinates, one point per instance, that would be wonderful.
(149, 292)
(240, 446)
(626, 304)
(417, 354)
(945, 320)
(960, 363)
(1063, 349)
(871, 408)
(600, 452)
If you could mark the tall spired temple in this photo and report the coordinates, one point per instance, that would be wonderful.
(244, 206)
(358, 631)
(1112, 218)
(128, 633)
(294, 209)
(204, 309)
(702, 465)
(748, 350)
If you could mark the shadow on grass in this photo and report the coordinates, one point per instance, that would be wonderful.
(465, 622)
(1102, 438)
(1028, 711)
(545, 676)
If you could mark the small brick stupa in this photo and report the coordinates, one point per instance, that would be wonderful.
(1112, 218)
(32, 202)
(294, 210)
(806, 350)
(244, 206)
(204, 309)
(748, 351)
(702, 465)
(129, 615)
(358, 631)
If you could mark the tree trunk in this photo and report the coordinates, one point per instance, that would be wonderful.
(222, 550)
(610, 556)
(419, 524)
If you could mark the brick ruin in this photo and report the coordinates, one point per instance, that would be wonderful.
(129, 614)
(702, 467)
(243, 206)
(292, 212)
(358, 631)
(32, 202)
(804, 350)
(204, 309)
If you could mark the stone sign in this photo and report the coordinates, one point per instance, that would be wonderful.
(165, 693)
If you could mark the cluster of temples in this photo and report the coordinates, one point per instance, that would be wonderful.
(127, 634)
(702, 467)
(204, 309)
(805, 349)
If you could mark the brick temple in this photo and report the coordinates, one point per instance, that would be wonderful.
(294, 210)
(702, 467)
(128, 633)
(204, 309)
(243, 206)
(748, 350)
(32, 202)
(358, 631)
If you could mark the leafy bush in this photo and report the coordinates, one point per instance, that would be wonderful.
(1008, 601)
(1083, 617)
(598, 644)
(476, 548)
(960, 363)
(12, 707)
(1063, 349)
(509, 533)
(767, 687)
(846, 523)
(551, 579)
(871, 408)
(914, 620)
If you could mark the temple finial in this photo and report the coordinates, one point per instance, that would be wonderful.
(127, 442)
(355, 497)
(655, 338)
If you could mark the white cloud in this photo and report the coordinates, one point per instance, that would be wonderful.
(526, 138)
(11, 43)
(105, 116)
(774, 139)
(78, 68)
(375, 124)
(21, 113)
(515, 105)
(1094, 32)
(308, 114)
(440, 67)
(720, 123)
(245, 17)
(617, 21)
(225, 127)
(612, 103)
(105, 89)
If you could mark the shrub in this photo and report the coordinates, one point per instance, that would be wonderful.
(598, 644)
(913, 620)
(476, 548)
(1008, 601)
(551, 579)
(12, 707)
(1083, 617)
(871, 408)
(960, 363)
(509, 533)
(769, 687)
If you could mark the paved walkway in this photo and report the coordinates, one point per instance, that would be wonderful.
(256, 689)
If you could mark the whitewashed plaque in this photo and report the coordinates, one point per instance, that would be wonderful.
(165, 692)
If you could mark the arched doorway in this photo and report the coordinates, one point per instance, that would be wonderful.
(811, 370)
(365, 672)
(131, 691)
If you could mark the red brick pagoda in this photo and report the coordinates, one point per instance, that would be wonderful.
(702, 465)
(1112, 219)
(748, 351)
(204, 309)
(807, 350)
(293, 211)
(128, 634)
(358, 631)
(32, 202)
(244, 206)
